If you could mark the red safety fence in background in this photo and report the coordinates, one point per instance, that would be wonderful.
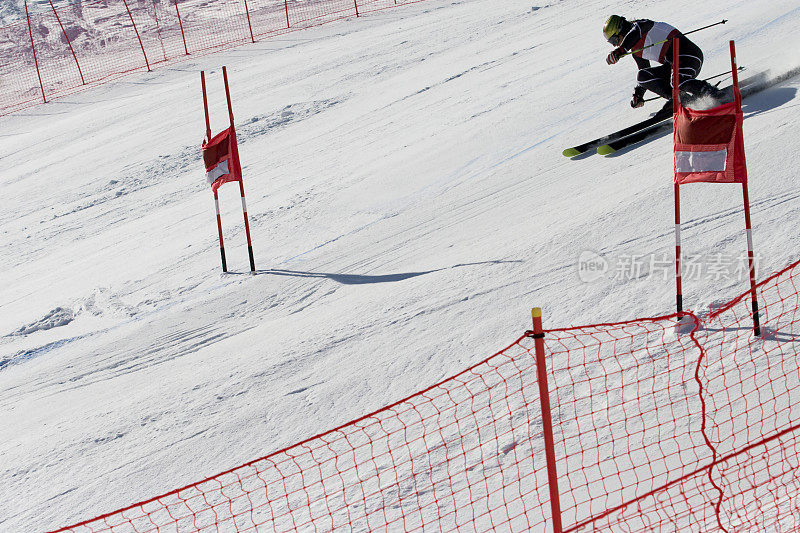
(658, 424)
(58, 50)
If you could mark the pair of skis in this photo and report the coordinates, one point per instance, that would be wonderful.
(609, 144)
(658, 123)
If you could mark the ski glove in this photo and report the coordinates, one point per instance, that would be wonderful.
(614, 56)
(638, 98)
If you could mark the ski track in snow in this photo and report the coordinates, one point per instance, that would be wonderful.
(409, 204)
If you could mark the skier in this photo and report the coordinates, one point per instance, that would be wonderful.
(643, 37)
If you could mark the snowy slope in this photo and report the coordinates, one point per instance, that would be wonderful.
(409, 205)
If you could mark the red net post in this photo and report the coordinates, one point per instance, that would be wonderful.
(33, 49)
(180, 24)
(249, 24)
(547, 423)
(69, 43)
(138, 37)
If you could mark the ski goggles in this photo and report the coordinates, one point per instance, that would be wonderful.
(615, 39)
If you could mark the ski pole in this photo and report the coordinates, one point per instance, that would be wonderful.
(665, 40)
(707, 79)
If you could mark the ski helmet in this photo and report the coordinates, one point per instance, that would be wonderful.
(613, 28)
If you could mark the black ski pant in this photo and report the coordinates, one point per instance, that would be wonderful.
(690, 60)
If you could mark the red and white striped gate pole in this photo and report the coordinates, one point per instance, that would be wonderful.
(219, 229)
(751, 260)
(547, 421)
(241, 181)
(676, 102)
(247, 229)
(216, 197)
(678, 267)
(746, 200)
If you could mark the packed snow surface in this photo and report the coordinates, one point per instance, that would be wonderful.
(408, 202)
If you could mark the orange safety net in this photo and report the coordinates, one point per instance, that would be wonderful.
(676, 423)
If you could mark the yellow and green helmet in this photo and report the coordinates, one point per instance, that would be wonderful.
(612, 29)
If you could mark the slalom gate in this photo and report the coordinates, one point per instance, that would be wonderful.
(657, 424)
(57, 51)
